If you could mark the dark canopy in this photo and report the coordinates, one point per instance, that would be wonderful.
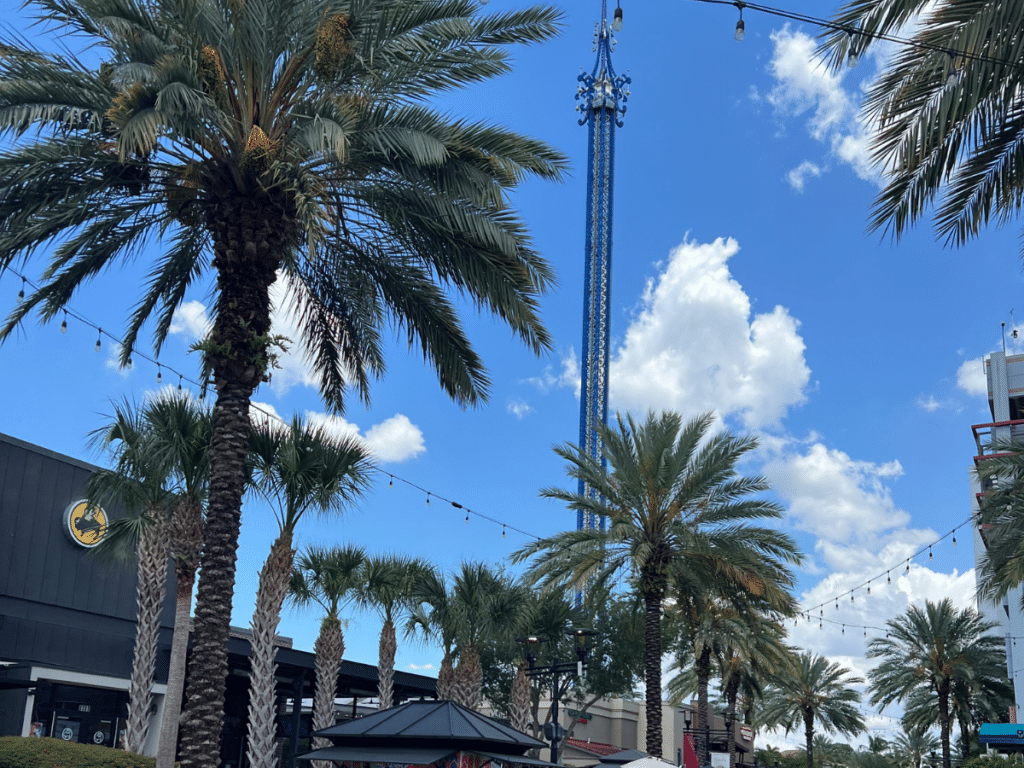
(422, 733)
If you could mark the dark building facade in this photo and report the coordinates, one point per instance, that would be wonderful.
(67, 617)
(67, 623)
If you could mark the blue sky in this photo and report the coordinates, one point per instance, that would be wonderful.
(743, 281)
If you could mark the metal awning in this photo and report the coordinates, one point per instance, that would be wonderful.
(393, 755)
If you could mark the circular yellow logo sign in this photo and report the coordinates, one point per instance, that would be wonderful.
(85, 525)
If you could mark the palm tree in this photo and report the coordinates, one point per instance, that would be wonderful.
(326, 577)
(180, 432)
(926, 650)
(670, 494)
(243, 141)
(296, 469)
(911, 746)
(160, 463)
(387, 586)
(811, 690)
(1002, 518)
(138, 482)
(947, 107)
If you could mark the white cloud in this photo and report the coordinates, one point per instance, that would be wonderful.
(421, 666)
(798, 175)
(391, 441)
(394, 440)
(567, 376)
(931, 404)
(191, 321)
(836, 497)
(693, 346)
(518, 408)
(805, 84)
(970, 376)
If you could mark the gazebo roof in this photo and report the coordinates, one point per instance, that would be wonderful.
(431, 724)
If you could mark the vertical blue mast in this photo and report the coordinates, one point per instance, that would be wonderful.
(601, 97)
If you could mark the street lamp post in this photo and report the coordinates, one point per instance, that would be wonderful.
(556, 669)
(705, 756)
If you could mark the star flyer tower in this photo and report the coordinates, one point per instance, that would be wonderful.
(601, 98)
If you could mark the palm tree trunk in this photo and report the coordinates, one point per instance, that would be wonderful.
(151, 588)
(208, 665)
(965, 737)
(702, 668)
(731, 692)
(329, 649)
(387, 650)
(270, 594)
(652, 669)
(809, 735)
(186, 537)
(469, 678)
(446, 679)
(248, 241)
(519, 700)
(168, 743)
(944, 723)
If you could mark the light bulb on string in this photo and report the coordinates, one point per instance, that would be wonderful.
(503, 530)
(179, 382)
(869, 587)
(930, 555)
(159, 374)
(888, 577)
(954, 540)
(907, 571)
(820, 625)
(21, 293)
(130, 364)
(64, 323)
(837, 603)
(617, 19)
(844, 629)
(391, 482)
(865, 631)
(851, 597)
(467, 518)
(852, 58)
(98, 337)
(428, 499)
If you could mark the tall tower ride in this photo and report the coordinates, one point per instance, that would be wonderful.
(601, 98)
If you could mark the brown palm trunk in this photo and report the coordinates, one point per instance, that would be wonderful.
(809, 735)
(387, 650)
(652, 669)
(519, 700)
(446, 679)
(168, 743)
(469, 678)
(270, 594)
(731, 693)
(151, 588)
(943, 691)
(186, 547)
(329, 649)
(702, 668)
(250, 236)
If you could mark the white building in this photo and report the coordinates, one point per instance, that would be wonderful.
(1006, 402)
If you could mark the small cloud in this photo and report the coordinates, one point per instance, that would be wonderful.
(421, 666)
(798, 175)
(568, 376)
(191, 321)
(970, 377)
(931, 404)
(519, 408)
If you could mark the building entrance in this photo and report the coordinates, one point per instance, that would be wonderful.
(80, 714)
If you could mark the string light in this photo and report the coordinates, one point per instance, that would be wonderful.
(159, 374)
(930, 555)
(907, 571)
(954, 540)
(502, 529)
(888, 577)
(98, 337)
(179, 382)
(391, 482)
(851, 597)
(852, 59)
(428, 499)
(21, 293)
(467, 518)
(740, 26)
(844, 629)
(64, 323)
(869, 587)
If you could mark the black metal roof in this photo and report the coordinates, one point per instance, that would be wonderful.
(431, 724)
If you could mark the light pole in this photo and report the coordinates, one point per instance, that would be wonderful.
(556, 669)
